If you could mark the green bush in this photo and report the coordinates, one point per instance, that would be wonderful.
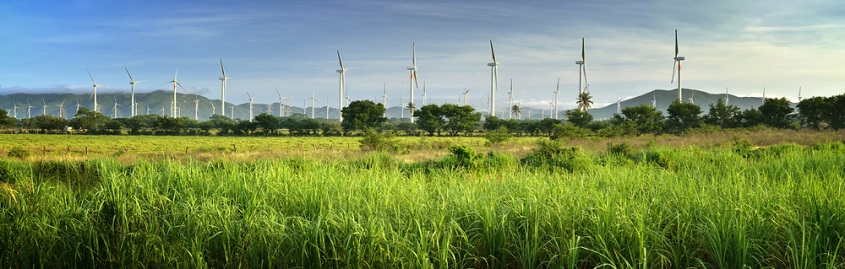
(377, 141)
(556, 154)
(19, 152)
(463, 156)
(498, 136)
(623, 149)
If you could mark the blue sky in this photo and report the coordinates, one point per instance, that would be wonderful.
(290, 46)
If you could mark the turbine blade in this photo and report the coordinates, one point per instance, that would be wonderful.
(340, 61)
(558, 85)
(676, 43)
(92, 77)
(416, 82)
(583, 55)
(673, 73)
(584, 65)
(130, 76)
(222, 70)
(277, 92)
(180, 86)
(493, 52)
(414, 45)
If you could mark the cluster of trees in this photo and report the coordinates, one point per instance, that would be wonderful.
(450, 119)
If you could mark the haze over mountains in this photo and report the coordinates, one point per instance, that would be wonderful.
(158, 102)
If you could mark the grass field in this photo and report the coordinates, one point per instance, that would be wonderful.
(716, 204)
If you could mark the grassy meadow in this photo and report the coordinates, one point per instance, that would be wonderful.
(769, 200)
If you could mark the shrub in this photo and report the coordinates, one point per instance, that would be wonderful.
(19, 152)
(556, 154)
(498, 136)
(374, 140)
(623, 149)
(463, 156)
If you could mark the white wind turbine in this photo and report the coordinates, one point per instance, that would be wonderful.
(510, 101)
(619, 105)
(342, 78)
(44, 113)
(692, 98)
(466, 97)
(62, 109)
(223, 90)
(425, 95)
(196, 107)
(494, 77)
(799, 94)
(174, 112)
(28, 109)
(231, 110)
(148, 109)
(654, 100)
(384, 98)
(250, 105)
(763, 100)
(94, 93)
(402, 106)
(15, 110)
(132, 82)
(114, 116)
(281, 103)
(327, 108)
(678, 60)
(312, 104)
(77, 105)
(582, 69)
(727, 97)
(557, 98)
(213, 108)
(413, 83)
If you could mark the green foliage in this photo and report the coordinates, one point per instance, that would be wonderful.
(579, 117)
(646, 119)
(459, 119)
(362, 114)
(268, 123)
(776, 112)
(722, 115)
(568, 130)
(622, 149)
(554, 154)
(5, 119)
(498, 136)
(18, 152)
(463, 156)
(376, 141)
(682, 116)
(430, 119)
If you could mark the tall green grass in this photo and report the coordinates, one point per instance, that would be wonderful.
(562, 207)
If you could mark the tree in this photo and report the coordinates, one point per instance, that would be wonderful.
(516, 110)
(584, 101)
(776, 112)
(682, 116)
(362, 114)
(5, 120)
(430, 119)
(750, 118)
(267, 122)
(723, 115)
(578, 117)
(815, 112)
(837, 115)
(88, 120)
(223, 124)
(46, 122)
(645, 118)
(460, 119)
(493, 123)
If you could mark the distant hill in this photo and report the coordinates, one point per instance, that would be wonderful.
(666, 97)
(158, 102)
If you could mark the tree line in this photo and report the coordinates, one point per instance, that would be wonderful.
(816, 113)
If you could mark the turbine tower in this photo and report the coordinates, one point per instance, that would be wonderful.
(213, 108)
(281, 104)
(799, 94)
(196, 107)
(678, 60)
(425, 95)
(28, 109)
(174, 110)
(494, 77)
(727, 97)
(94, 94)
(413, 83)
(312, 104)
(654, 99)
(582, 69)
(15, 110)
(466, 97)
(384, 98)
(44, 113)
(692, 98)
(77, 105)
(619, 105)
(510, 101)
(342, 78)
(223, 90)
(763, 100)
(132, 82)
(250, 105)
(62, 109)
(114, 108)
(557, 98)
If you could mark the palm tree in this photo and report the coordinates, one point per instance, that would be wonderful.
(516, 110)
(584, 101)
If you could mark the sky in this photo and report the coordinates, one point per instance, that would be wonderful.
(291, 46)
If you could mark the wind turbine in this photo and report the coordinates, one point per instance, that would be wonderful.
(15, 110)
(148, 109)
(494, 77)
(94, 94)
(466, 97)
(196, 107)
(654, 100)
(327, 108)
(312, 104)
(510, 101)
(213, 108)
(231, 110)
(223, 90)
(281, 104)
(132, 82)
(174, 110)
(692, 98)
(763, 100)
(727, 97)
(678, 60)
(342, 78)
(557, 97)
(799, 94)
(62, 109)
(425, 94)
(619, 105)
(28, 109)
(384, 98)
(402, 106)
(250, 105)
(77, 105)
(115, 108)
(44, 113)
(413, 84)
(582, 68)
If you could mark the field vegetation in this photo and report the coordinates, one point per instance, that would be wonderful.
(747, 199)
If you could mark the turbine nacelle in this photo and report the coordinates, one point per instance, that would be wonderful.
(679, 58)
